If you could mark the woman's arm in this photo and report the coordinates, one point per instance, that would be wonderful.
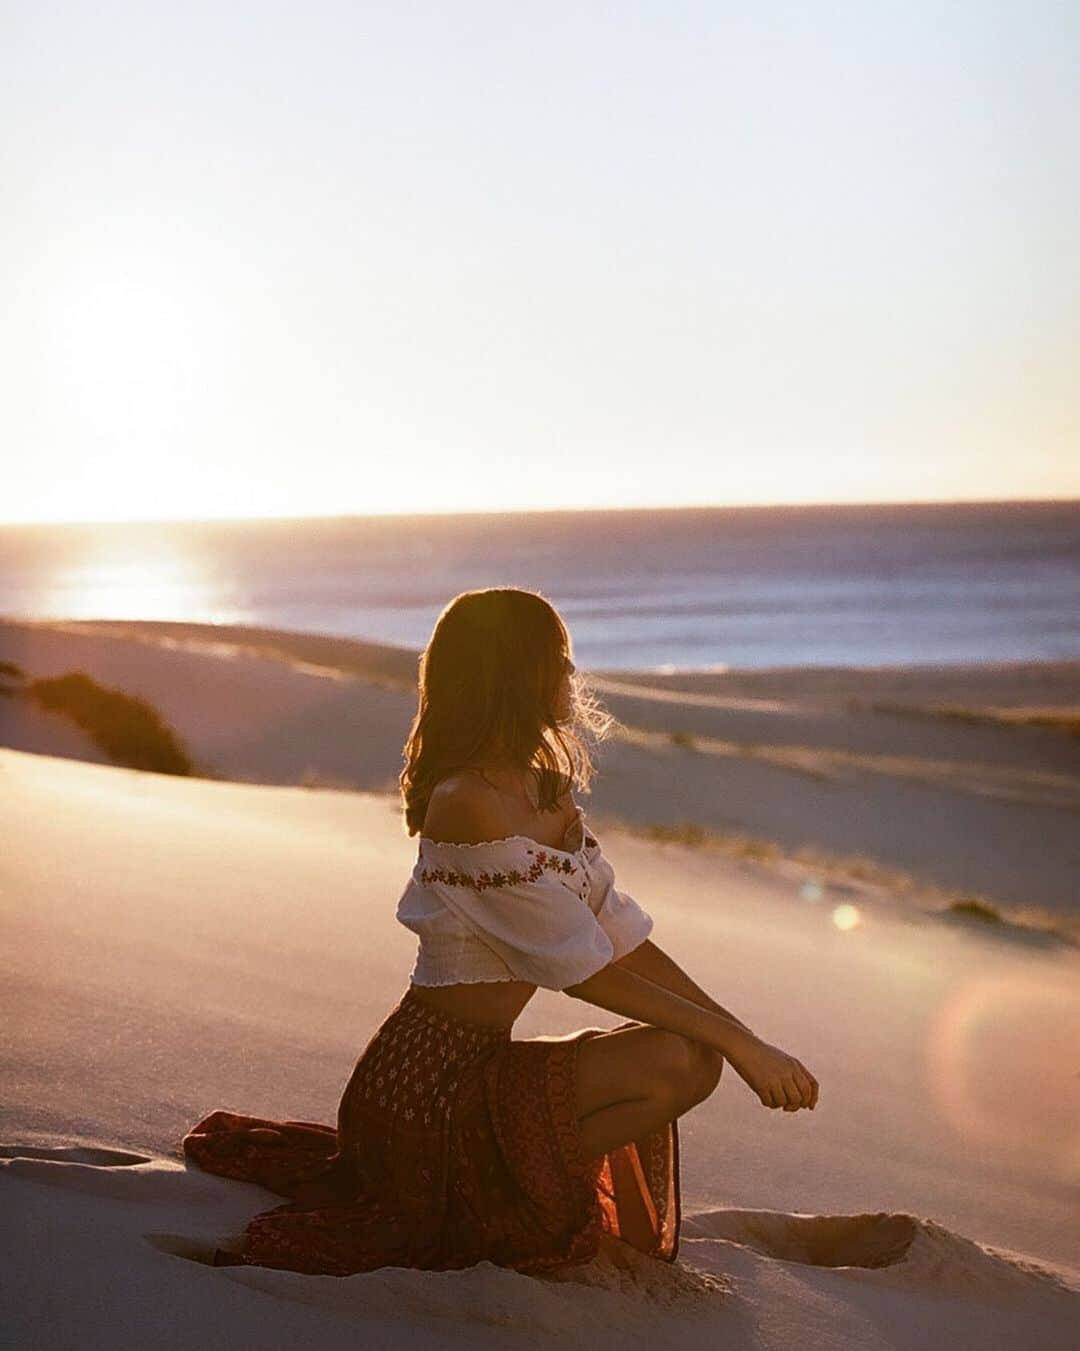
(654, 964)
(779, 1079)
(615, 988)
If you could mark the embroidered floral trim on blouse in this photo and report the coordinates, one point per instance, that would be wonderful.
(510, 878)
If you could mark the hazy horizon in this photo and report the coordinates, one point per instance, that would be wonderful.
(529, 511)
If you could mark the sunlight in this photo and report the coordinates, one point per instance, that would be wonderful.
(119, 577)
(131, 338)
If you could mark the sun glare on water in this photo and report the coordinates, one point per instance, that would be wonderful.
(119, 577)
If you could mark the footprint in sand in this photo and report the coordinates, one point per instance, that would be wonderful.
(890, 1248)
(870, 1240)
(106, 1158)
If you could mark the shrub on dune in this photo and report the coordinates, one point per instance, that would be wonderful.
(130, 731)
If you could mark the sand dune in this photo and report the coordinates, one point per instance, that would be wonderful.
(175, 945)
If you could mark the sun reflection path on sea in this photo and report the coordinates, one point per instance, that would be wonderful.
(138, 575)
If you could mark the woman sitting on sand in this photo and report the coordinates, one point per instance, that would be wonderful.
(454, 1142)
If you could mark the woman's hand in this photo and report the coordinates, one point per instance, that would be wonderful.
(777, 1078)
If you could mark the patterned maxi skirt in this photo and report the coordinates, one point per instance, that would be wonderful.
(454, 1144)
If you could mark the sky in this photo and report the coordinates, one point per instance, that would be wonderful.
(346, 258)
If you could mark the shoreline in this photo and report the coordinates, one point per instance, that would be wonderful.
(271, 638)
(823, 770)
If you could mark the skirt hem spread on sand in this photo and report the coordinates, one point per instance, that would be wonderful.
(454, 1144)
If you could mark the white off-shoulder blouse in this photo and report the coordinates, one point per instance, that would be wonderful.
(515, 909)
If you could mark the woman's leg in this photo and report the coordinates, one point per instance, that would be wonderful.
(634, 1079)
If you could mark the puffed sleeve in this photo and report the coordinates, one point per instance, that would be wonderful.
(528, 904)
(626, 924)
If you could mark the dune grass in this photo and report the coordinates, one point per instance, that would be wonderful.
(978, 908)
(9, 670)
(129, 730)
(1066, 720)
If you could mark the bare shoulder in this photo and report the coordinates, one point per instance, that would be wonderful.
(463, 809)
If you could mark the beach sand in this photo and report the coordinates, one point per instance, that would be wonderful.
(178, 944)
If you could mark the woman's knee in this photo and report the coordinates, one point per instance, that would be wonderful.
(693, 1069)
(711, 1066)
(644, 1060)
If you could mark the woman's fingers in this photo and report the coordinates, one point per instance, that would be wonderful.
(813, 1084)
(805, 1086)
(796, 1090)
(781, 1093)
(791, 1091)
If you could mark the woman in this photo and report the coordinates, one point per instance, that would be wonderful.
(454, 1142)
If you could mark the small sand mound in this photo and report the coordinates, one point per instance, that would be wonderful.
(623, 1269)
(887, 1248)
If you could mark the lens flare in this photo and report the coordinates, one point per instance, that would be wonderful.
(1000, 1062)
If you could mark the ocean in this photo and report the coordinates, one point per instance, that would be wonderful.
(680, 589)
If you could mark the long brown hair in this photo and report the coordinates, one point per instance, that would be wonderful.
(489, 681)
